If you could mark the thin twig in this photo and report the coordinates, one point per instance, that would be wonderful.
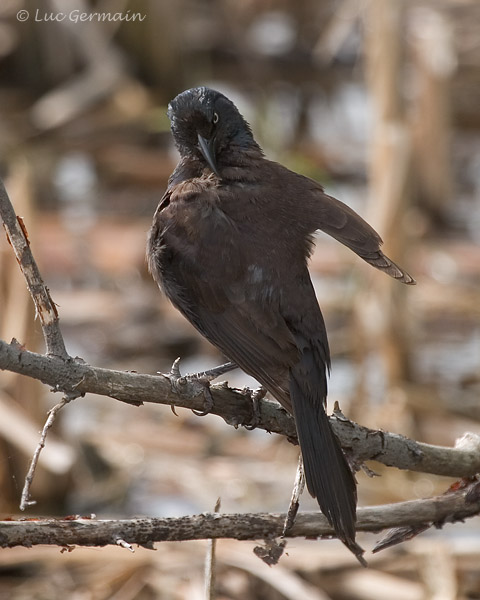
(26, 499)
(297, 491)
(210, 562)
(44, 305)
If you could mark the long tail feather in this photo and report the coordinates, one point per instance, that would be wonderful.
(328, 475)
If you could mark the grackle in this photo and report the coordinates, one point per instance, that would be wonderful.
(229, 246)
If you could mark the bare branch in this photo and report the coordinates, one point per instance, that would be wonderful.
(44, 306)
(450, 507)
(75, 377)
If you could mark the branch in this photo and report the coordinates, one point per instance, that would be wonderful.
(45, 308)
(450, 507)
(74, 377)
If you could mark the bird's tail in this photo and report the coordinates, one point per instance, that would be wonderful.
(328, 475)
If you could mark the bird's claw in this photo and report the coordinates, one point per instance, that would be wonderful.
(257, 395)
(199, 383)
(175, 369)
(207, 399)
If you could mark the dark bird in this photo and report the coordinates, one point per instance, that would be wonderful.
(229, 246)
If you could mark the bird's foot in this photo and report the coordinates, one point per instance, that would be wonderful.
(197, 383)
(255, 397)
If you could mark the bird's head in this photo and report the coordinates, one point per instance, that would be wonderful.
(206, 124)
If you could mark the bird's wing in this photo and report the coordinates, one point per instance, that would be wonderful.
(345, 225)
(255, 337)
(318, 210)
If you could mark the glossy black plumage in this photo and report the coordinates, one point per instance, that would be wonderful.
(229, 246)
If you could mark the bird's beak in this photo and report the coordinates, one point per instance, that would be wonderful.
(207, 148)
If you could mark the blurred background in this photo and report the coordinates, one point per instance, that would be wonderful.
(379, 100)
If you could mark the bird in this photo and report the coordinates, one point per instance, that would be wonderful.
(229, 246)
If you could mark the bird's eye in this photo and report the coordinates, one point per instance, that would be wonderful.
(215, 118)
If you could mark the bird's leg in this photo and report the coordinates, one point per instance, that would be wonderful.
(256, 397)
(298, 488)
(211, 374)
(199, 381)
